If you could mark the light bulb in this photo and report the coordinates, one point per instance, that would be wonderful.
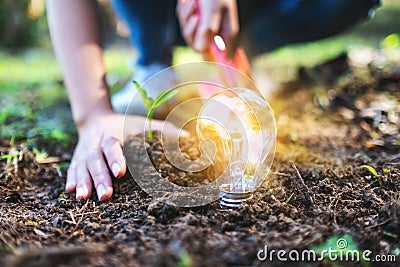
(242, 127)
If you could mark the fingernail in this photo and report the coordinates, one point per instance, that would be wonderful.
(80, 193)
(115, 169)
(101, 190)
(69, 187)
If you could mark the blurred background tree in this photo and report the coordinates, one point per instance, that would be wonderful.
(22, 23)
(29, 70)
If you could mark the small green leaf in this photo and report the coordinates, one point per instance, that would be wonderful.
(40, 155)
(289, 198)
(6, 156)
(371, 169)
(161, 99)
(150, 104)
(147, 101)
(142, 92)
(11, 155)
(164, 97)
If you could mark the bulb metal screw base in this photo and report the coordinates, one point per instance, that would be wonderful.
(231, 199)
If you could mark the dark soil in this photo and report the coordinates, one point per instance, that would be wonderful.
(317, 190)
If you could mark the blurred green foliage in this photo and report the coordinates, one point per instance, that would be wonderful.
(33, 101)
(34, 104)
(22, 23)
(381, 31)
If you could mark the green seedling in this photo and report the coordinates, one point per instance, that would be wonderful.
(374, 172)
(150, 104)
(11, 155)
(40, 155)
(289, 198)
(371, 169)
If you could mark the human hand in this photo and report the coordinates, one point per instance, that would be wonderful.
(99, 150)
(201, 20)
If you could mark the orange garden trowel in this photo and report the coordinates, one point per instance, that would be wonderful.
(218, 53)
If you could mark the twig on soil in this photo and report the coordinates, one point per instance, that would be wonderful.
(281, 174)
(301, 186)
(81, 210)
(394, 157)
(306, 191)
(79, 222)
(72, 217)
(83, 207)
(73, 220)
(298, 174)
(88, 213)
(337, 198)
(296, 183)
(379, 224)
(334, 213)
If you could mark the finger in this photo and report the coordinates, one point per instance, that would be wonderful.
(190, 30)
(185, 11)
(100, 175)
(84, 182)
(209, 26)
(179, 6)
(112, 150)
(70, 184)
(230, 24)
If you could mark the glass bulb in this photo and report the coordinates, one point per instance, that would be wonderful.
(241, 125)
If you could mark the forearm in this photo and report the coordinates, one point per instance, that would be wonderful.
(76, 40)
